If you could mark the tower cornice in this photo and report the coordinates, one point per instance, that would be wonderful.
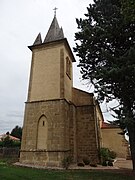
(47, 44)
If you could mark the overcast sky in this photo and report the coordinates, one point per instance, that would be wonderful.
(20, 23)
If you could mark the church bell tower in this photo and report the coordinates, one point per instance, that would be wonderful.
(51, 68)
(45, 139)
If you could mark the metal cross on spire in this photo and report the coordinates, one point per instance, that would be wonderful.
(55, 9)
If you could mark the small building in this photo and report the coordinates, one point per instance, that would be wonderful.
(112, 139)
(3, 136)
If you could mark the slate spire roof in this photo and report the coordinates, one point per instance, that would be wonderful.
(38, 40)
(55, 32)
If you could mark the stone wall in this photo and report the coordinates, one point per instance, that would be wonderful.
(57, 113)
(9, 152)
(87, 125)
(87, 145)
(71, 131)
(43, 158)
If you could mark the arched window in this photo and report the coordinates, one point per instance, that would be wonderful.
(68, 67)
(42, 133)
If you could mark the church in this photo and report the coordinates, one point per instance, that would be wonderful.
(60, 121)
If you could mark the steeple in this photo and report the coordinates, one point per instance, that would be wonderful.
(55, 32)
(38, 40)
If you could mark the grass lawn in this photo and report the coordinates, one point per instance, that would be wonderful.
(10, 172)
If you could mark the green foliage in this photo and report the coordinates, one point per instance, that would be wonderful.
(112, 154)
(128, 9)
(7, 142)
(8, 161)
(104, 154)
(1, 144)
(107, 156)
(16, 144)
(17, 132)
(105, 45)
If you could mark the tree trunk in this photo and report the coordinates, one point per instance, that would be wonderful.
(131, 132)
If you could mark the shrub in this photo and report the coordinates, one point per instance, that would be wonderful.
(110, 163)
(81, 164)
(112, 154)
(7, 142)
(1, 144)
(106, 154)
(104, 163)
(86, 160)
(16, 144)
(93, 165)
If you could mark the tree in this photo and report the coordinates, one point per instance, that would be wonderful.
(7, 142)
(105, 45)
(17, 132)
(128, 9)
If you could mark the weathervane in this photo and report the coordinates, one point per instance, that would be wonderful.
(55, 9)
